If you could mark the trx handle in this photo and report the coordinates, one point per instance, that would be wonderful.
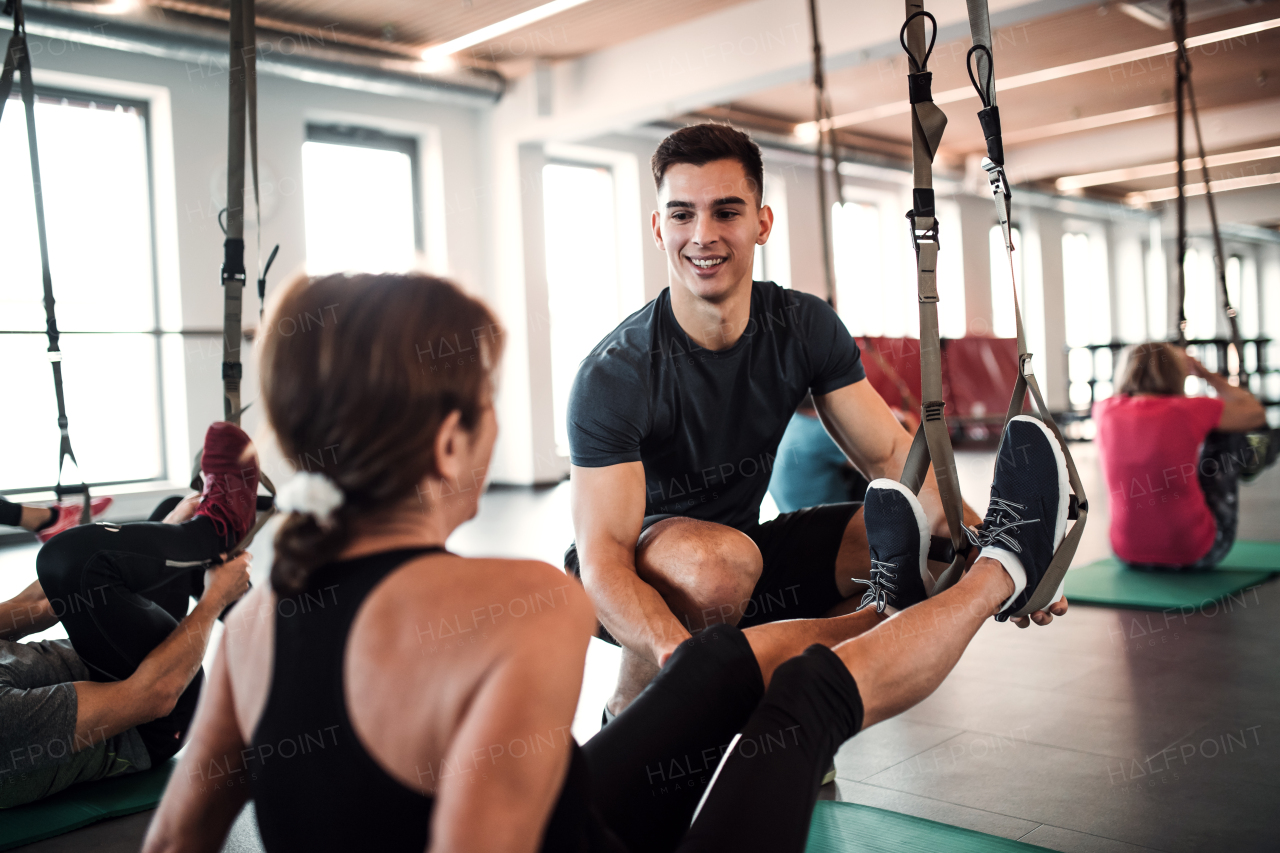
(17, 58)
(989, 115)
(983, 79)
(932, 442)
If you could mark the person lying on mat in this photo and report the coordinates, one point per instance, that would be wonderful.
(403, 697)
(47, 522)
(118, 695)
(675, 420)
(1173, 463)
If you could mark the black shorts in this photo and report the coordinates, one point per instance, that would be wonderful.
(798, 580)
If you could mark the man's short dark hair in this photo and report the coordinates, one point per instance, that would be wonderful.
(700, 144)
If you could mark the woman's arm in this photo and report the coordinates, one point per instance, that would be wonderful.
(196, 813)
(1241, 411)
(506, 763)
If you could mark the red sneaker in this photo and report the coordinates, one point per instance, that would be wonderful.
(67, 515)
(230, 470)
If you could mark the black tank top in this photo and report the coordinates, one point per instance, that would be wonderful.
(315, 788)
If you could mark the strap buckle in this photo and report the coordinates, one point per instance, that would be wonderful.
(929, 234)
(996, 175)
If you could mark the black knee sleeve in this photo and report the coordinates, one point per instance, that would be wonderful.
(720, 646)
(817, 691)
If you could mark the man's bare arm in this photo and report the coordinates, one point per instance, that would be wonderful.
(28, 612)
(608, 510)
(108, 708)
(858, 419)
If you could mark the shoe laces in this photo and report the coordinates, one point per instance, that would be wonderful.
(883, 582)
(1002, 518)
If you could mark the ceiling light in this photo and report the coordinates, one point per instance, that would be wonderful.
(806, 132)
(1225, 185)
(1017, 81)
(437, 63)
(1137, 173)
(532, 16)
(118, 7)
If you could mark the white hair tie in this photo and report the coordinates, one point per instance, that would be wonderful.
(310, 494)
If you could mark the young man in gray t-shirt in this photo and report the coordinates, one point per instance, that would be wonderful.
(675, 419)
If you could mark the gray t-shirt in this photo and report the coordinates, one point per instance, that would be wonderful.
(706, 424)
(38, 743)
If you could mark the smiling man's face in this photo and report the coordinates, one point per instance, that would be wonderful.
(709, 221)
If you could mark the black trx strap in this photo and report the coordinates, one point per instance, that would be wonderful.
(826, 145)
(932, 441)
(1185, 95)
(242, 100)
(989, 117)
(242, 92)
(18, 58)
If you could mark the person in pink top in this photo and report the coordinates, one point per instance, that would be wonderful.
(1173, 463)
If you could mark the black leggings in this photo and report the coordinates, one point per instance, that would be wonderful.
(119, 599)
(651, 766)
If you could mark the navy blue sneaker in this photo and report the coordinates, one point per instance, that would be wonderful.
(1027, 518)
(898, 534)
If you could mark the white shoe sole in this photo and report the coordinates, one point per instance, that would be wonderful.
(922, 522)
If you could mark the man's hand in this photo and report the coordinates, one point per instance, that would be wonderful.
(1041, 617)
(225, 584)
(664, 651)
(184, 511)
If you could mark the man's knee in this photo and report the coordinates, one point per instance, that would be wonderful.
(706, 570)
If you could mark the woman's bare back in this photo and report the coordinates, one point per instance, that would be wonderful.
(427, 644)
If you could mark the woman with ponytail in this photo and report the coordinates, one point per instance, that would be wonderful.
(383, 693)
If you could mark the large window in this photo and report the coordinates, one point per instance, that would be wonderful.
(583, 291)
(94, 163)
(1202, 300)
(1003, 323)
(1157, 285)
(1087, 302)
(1131, 293)
(360, 199)
(876, 289)
(867, 302)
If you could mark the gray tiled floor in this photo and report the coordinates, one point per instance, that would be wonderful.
(1110, 731)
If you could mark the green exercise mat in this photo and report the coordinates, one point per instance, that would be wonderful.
(1258, 556)
(851, 828)
(1109, 582)
(83, 804)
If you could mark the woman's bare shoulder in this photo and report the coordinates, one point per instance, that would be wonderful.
(489, 593)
